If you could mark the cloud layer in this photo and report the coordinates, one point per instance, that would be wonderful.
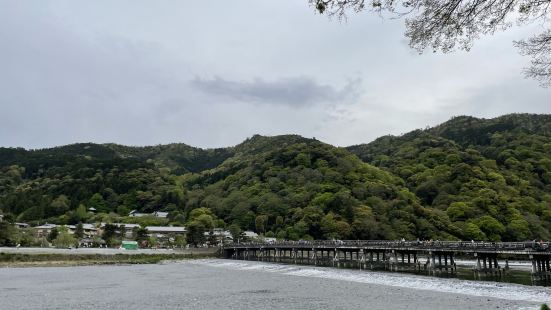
(208, 74)
(297, 91)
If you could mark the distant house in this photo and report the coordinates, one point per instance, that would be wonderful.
(270, 240)
(127, 227)
(44, 230)
(220, 235)
(250, 235)
(164, 233)
(92, 209)
(135, 213)
(160, 214)
(22, 225)
(90, 230)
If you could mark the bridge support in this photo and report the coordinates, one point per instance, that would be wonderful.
(488, 264)
(541, 267)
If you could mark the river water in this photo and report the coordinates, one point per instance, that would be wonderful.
(224, 284)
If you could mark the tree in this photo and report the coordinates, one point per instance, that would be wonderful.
(491, 227)
(260, 223)
(64, 239)
(79, 231)
(60, 205)
(448, 24)
(212, 238)
(180, 241)
(53, 234)
(458, 211)
(97, 202)
(7, 234)
(152, 241)
(79, 215)
(196, 233)
(235, 232)
(122, 231)
(329, 226)
(141, 235)
(109, 234)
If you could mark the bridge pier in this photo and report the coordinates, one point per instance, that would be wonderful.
(490, 265)
(541, 267)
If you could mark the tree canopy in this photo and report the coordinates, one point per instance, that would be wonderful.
(450, 24)
(469, 178)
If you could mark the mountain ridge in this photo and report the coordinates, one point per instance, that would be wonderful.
(468, 178)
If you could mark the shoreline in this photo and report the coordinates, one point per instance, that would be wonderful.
(62, 258)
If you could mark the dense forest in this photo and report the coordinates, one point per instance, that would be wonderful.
(468, 178)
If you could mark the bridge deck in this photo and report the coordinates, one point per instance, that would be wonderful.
(521, 248)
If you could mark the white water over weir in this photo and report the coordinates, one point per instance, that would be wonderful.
(434, 257)
(507, 291)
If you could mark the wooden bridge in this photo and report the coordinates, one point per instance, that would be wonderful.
(434, 257)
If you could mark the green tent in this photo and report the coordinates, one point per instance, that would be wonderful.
(129, 245)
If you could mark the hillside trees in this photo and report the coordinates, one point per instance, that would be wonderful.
(467, 179)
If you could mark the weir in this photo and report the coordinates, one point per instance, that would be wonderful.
(432, 257)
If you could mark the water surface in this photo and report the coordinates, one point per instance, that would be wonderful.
(223, 284)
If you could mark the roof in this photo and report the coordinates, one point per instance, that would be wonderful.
(160, 214)
(219, 233)
(84, 226)
(126, 225)
(165, 229)
(89, 226)
(46, 226)
(135, 213)
(250, 234)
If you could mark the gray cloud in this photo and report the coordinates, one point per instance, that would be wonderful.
(296, 91)
(127, 72)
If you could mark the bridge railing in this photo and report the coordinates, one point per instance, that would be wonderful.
(451, 245)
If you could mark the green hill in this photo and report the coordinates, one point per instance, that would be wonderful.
(468, 178)
(492, 177)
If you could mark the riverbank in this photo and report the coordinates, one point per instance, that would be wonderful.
(48, 257)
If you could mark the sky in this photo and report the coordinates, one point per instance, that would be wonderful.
(212, 73)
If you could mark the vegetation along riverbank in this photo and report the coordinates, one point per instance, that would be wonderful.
(66, 259)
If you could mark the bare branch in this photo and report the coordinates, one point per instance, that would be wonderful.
(539, 48)
(445, 25)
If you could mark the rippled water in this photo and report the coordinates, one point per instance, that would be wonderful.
(225, 284)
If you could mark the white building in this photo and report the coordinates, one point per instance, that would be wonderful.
(165, 232)
(160, 214)
(135, 213)
(22, 225)
(250, 235)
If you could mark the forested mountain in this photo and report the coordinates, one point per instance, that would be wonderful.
(467, 178)
(491, 177)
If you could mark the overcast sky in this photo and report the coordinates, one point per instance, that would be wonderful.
(212, 73)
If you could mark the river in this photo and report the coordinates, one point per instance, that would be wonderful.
(224, 284)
